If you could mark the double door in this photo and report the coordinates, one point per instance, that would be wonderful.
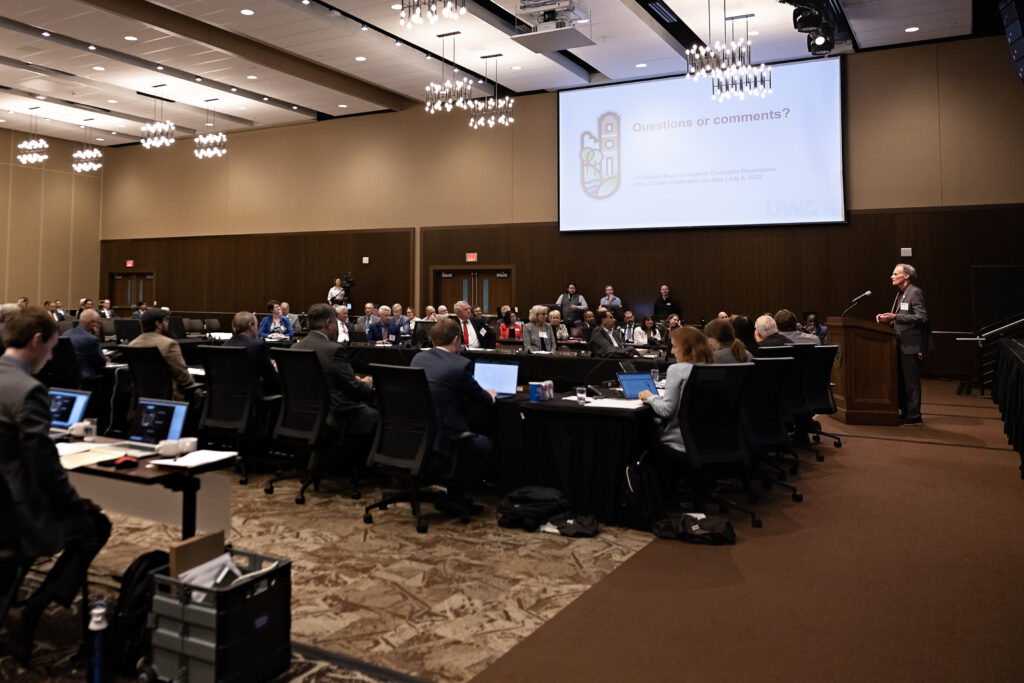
(490, 288)
(127, 289)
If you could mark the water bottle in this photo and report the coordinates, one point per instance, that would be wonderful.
(98, 623)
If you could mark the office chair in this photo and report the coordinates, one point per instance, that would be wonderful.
(151, 376)
(107, 328)
(194, 326)
(762, 421)
(404, 443)
(235, 407)
(794, 399)
(62, 370)
(304, 422)
(709, 418)
(127, 329)
(818, 389)
(212, 324)
(65, 325)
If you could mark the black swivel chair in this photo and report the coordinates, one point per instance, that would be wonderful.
(818, 389)
(65, 325)
(193, 326)
(794, 399)
(151, 376)
(304, 421)
(62, 370)
(127, 329)
(762, 419)
(709, 418)
(404, 443)
(107, 328)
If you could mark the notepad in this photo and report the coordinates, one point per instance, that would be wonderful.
(195, 459)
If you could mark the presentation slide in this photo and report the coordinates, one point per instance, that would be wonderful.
(663, 154)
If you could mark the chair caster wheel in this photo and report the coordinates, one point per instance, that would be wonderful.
(367, 518)
(817, 439)
(357, 494)
(268, 489)
(798, 497)
(837, 444)
(421, 527)
(300, 499)
(243, 481)
(756, 523)
(819, 457)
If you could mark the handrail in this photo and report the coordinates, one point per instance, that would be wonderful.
(1018, 321)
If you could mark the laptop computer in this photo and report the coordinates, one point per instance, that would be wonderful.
(155, 421)
(633, 383)
(67, 406)
(498, 377)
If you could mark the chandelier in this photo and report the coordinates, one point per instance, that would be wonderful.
(418, 11)
(729, 67)
(491, 110)
(33, 150)
(158, 133)
(87, 159)
(449, 93)
(211, 145)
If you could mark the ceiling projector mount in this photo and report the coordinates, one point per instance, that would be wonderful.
(552, 25)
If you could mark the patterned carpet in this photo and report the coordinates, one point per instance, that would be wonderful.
(440, 606)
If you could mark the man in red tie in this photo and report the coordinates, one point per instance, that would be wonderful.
(474, 331)
(909, 317)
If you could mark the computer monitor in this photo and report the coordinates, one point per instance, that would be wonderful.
(156, 420)
(67, 406)
(498, 377)
(633, 383)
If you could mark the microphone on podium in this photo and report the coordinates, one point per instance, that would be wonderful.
(853, 303)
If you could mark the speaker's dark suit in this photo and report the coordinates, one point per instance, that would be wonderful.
(911, 324)
(48, 513)
(350, 398)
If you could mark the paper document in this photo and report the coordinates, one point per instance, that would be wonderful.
(76, 460)
(197, 371)
(66, 448)
(195, 459)
(621, 403)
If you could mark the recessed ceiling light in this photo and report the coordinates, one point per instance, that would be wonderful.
(243, 107)
(516, 68)
(479, 80)
(82, 125)
(112, 101)
(582, 21)
(99, 139)
(396, 5)
(198, 79)
(113, 132)
(40, 97)
(265, 99)
(294, 107)
(755, 33)
(159, 68)
(98, 68)
(248, 12)
(360, 59)
(912, 29)
(364, 27)
(429, 57)
(641, 65)
(343, 106)
(46, 34)
(455, 70)
(398, 43)
(252, 77)
(234, 89)
(130, 38)
(3, 120)
(92, 47)
(209, 123)
(305, 2)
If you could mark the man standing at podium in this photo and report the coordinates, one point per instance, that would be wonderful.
(909, 317)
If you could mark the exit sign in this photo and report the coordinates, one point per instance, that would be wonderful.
(470, 257)
(130, 263)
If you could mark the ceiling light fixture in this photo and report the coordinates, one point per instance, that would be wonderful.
(247, 12)
(729, 66)
(491, 110)
(92, 47)
(343, 106)
(360, 59)
(517, 68)
(46, 34)
(210, 145)
(99, 139)
(131, 39)
(234, 89)
(364, 27)
(641, 65)
(252, 77)
(157, 133)
(88, 158)
(416, 11)
(448, 93)
(912, 29)
(33, 151)
(159, 68)
(98, 68)
(198, 79)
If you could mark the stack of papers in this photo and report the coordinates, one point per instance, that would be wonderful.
(195, 459)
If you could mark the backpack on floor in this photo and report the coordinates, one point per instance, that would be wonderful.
(128, 637)
(696, 527)
(530, 506)
(642, 503)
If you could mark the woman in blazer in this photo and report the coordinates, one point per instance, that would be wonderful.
(537, 334)
(275, 325)
(688, 346)
(510, 328)
(647, 334)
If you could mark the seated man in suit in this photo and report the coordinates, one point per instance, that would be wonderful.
(154, 333)
(58, 310)
(140, 310)
(475, 333)
(86, 341)
(263, 375)
(345, 328)
(606, 341)
(786, 322)
(386, 330)
(452, 387)
(293, 318)
(368, 317)
(400, 319)
(105, 310)
(766, 332)
(350, 396)
(48, 514)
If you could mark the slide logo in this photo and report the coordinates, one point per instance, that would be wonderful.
(599, 158)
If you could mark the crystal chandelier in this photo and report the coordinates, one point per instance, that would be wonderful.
(33, 150)
(729, 66)
(449, 93)
(491, 110)
(211, 145)
(158, 133)
(420, 11)
(87, 159)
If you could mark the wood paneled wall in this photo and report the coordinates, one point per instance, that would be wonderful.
(241, 272)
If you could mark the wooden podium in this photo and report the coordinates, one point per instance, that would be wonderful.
(866, 386)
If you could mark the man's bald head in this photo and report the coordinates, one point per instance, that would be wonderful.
(89, 319)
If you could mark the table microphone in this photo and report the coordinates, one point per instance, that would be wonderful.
(853, 303)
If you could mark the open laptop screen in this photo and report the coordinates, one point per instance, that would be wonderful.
(67, 406)
(635, 382)
(156, 420)
(498, 377)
